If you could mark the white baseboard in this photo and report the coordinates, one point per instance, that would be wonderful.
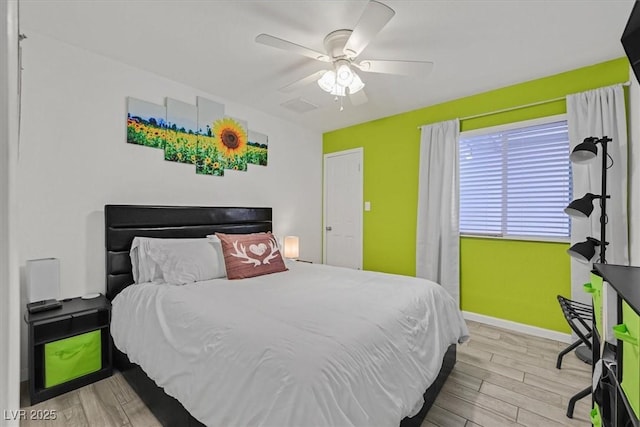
(518, 327)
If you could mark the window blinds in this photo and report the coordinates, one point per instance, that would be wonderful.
(516, 182)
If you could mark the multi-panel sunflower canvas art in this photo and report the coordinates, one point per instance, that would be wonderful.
(182, 132)
(199, 134)
(208, 161)
(146, 123)
(257, 150)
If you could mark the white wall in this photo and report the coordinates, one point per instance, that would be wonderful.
(75, 159)
(9, 283)
(634, 169)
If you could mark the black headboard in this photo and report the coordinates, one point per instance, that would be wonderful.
(124, 222)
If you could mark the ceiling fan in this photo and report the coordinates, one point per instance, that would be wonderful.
(342, 49)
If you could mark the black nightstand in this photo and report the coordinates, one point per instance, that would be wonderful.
(73, 342)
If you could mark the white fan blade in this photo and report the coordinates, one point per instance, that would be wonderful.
(358, 98)
(272, 41)
(405, 68)
(302, 82)
(375, 16)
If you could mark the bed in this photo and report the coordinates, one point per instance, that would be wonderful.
(281, 349)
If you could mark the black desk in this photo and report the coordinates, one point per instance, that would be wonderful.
(625, 280)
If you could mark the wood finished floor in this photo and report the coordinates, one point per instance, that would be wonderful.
(501, 378)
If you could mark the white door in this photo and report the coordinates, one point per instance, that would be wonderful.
(343, 208)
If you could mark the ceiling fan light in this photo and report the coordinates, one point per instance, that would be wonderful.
(328, 81)
(339, 90)
(344, 75)
(356, 85)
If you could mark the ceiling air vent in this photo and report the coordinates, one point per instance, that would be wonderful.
(299, 105)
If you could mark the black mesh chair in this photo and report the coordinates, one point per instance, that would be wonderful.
(579, 316)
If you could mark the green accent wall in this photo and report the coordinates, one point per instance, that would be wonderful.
(515, 280)
(512, 280)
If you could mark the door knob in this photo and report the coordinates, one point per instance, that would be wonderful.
(328, 228)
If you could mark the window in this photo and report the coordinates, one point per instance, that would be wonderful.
(516, 181)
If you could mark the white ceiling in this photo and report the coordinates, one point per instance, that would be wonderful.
(476, 45)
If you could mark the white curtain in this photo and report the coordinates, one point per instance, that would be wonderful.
(438, 237)
(600, 112)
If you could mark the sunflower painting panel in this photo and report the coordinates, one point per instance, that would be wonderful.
(209, 160)
(146, 123)
(231, 138)
(257, 148)
(182, 132)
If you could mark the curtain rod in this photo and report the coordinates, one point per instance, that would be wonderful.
(519, 107)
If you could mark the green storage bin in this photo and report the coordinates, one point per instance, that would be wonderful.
(595, 289)
(629, 334)
(71, 358)
(595, 416)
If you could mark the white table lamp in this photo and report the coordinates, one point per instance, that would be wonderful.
(291, 247)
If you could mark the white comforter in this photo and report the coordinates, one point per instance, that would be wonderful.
(313, 346)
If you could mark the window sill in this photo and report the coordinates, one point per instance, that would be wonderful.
(566, 240)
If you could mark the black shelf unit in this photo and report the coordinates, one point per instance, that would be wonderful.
(76, 316)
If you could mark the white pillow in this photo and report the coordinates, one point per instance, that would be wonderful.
(135, 260)
(142, 267)
(145, 269)
(188, 262)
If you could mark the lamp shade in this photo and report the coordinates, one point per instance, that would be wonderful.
(581, 208)
(584, 251)
(291, 247)
(584, 151)
(344, 75)
(328, 81)
(356, 85)
(337, 82)
(339, 90)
